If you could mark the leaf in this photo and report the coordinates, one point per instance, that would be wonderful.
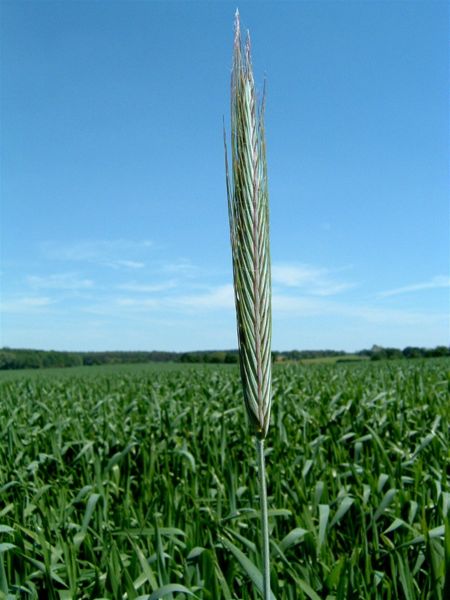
(189, 458)
(85, 448)
(366, 494)
(147, 574)
(387, 499)
(334, 576)
(307, 589)
(306, 468)
(251, 513)
(250, 569)
(436, 532)
(395, 525)
(324, 513)
(166, 590)
(381, 481)
(6, 529)
(195, 552)
(293, 537)
(405, 578)
(423, 444)
(82, 493)
(90, 507)
(343, 508)
(118, 457)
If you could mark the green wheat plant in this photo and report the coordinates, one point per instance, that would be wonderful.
(248, 206)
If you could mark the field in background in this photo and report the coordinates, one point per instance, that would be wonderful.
(86, 372)
(331, 360)
(117, 481)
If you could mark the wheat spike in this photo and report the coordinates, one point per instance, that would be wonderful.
(248, 206)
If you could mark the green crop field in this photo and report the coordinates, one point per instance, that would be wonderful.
(118, 482)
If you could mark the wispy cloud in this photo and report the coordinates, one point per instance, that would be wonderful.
(440, 281)
(182, 267)
(305, 307)
(147, 288)
(125, 264)
(138, 303)
(120, 253)
(217, 298)
(59, 281)
(315, 281)
(295, 275)
(25, 304)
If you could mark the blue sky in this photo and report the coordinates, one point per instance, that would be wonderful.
(113, 203)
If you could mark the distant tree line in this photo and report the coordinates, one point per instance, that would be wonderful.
(305, 354)
(40, 359)
(380, 353)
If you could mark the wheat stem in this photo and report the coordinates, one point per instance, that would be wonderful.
(264, 518)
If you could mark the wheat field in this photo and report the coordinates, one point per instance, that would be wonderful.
(140, 482)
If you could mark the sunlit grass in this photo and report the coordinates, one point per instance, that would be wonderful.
(127, 482)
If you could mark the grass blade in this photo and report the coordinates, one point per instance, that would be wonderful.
(248, 566)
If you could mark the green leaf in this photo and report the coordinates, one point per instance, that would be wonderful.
(382, 481)
(343, 508)
(6, 529)
(166, 590)
(195, 552)
(90, 507)
(250, 568)
(147, 572)
(189, 457)
(387, 499)
(307, 589)
(293, 537)
(395, 525)
(118, 457)
(324, 513)
(405, 578)
(334, 576)
(306, 468)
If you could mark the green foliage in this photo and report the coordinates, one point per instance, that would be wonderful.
(123, 481)
(37, 359)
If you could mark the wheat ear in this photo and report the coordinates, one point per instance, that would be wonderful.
(248, 207)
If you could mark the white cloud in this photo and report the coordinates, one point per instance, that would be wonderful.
(138, 303)
(304, 307)
(440, 281)
(147, 288)
(314, 281)
(295, 275)
(126, 264)
(182, 267)
(297, 305)
(25, 304)
(116, 254)
(218, 298)
(60, 281)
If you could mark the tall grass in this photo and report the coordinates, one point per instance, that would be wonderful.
(248, 204)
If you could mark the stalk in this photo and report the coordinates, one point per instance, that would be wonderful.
(248, 208)
(264, 518)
